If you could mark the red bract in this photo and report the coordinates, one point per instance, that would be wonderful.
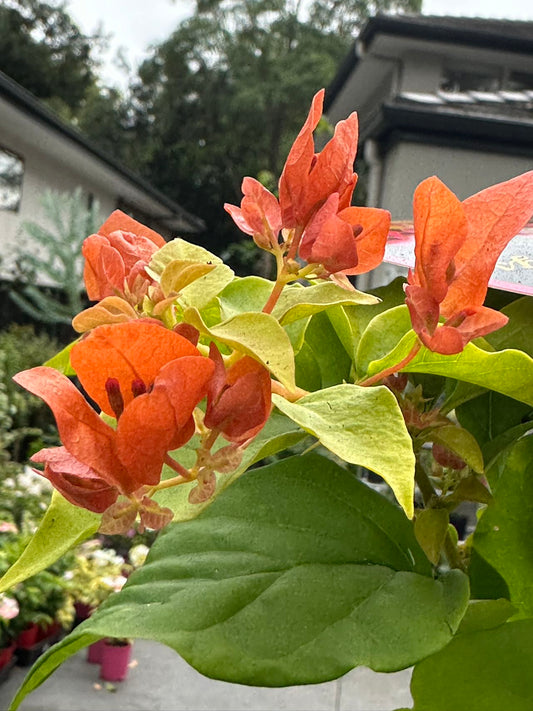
(457, 245)
(259, 214)
(308, 179)
(115, 258)
(351, 241)
(151, 378)
(238, 399)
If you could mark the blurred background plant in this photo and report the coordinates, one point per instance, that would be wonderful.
(49, 284)
(25, 427)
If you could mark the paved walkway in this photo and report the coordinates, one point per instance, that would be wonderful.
(160, 680)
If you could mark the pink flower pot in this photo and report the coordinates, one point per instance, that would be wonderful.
(6, 655)
(115, 660)
(94, 652)
(28, 637)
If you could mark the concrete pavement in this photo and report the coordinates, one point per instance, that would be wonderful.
(160, 680)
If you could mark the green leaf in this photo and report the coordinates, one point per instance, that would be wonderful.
(326, 355)
(298, 573)
(458, 440)
(61, 361)
(490, 415)
(503, 534)
(518, 333)
(508, 372)
(362, 426)
(381, 339)
(431, 526)
(297, 301)
(256, 334)
(486, 670)
(242, 295)
(485, 614)
(62, 526)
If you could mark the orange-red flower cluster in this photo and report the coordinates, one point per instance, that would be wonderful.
(116, 257)
(315, 192)
(457, 245)
(150, 379)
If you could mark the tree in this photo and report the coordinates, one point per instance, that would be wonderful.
(46, 52)
(232, 67)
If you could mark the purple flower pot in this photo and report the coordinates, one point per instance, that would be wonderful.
(115, 661)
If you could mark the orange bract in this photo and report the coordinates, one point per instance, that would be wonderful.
(115, 258)
(238, 399)
(131, 351)
(457, 245)
(98, 462)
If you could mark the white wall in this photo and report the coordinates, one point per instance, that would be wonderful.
(464, 171)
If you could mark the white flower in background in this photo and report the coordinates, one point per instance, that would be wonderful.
(137, 555)
(116, 582)
(33, 483)
(8, 607)
(8, 527)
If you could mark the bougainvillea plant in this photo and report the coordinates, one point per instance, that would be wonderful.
(241, 417)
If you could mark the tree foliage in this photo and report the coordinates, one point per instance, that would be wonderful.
(45, 51)
(235, 66)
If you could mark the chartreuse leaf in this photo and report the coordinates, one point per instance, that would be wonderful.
(278, 434)
(201, 291)
(297, 301)
(388, 338)
(509, 372)
(296, 574)
(482, 670)
(256, 334)
(503, 534)
(61, 360)
(62, 526)
(247, 294)
(362, 426)
(180, 249)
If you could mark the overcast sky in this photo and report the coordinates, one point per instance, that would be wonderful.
(135, 24)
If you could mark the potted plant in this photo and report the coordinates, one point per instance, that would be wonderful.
(9, 610)
(115, 658)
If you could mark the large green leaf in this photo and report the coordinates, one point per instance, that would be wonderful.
(363, 426)
(62, 526)
(483, 670)
(503, 534)
(256, 334)
(296, 574)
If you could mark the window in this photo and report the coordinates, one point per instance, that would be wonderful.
(477, 80)
(11, 174)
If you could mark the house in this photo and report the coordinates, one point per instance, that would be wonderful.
(38, 152)
(442, 96)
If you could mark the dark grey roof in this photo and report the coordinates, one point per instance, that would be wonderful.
(509, 35)
(28, 103)
(502, 104)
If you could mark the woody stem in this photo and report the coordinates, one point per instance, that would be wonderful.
(177, 467)
(393, 369)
